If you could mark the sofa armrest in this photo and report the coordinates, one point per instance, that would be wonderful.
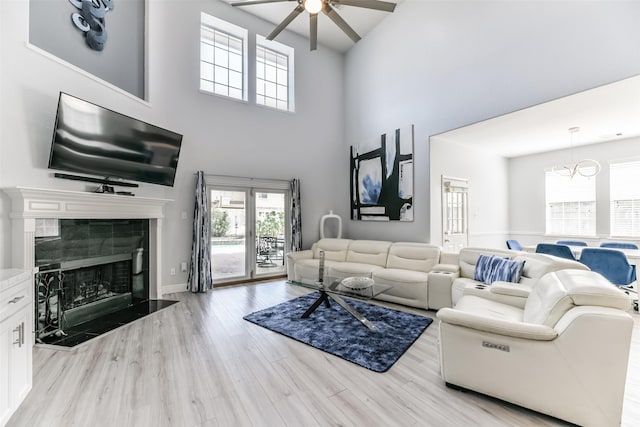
(295, 256)
(510, 289)
(439, 283)
(497, 326)
(448, 268)
(449, 258)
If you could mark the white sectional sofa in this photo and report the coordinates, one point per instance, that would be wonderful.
(420, 274)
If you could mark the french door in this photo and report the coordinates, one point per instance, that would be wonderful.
(455, 208)
(249, 228)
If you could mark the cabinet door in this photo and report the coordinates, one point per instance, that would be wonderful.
(20, 361)
(6, 341)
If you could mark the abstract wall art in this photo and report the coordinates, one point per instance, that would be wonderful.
(382, 178)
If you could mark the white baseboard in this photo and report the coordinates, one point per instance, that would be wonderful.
(171, 289)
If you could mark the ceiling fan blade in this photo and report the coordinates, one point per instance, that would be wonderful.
(293, 15)
(313, 30)
(369, 4)
(337, 19)
(250, 2)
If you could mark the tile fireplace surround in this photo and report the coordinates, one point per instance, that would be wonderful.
(29, 204)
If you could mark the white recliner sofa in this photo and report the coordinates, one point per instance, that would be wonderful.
(403, 265)
(565, 353)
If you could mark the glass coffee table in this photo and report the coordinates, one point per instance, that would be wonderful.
(334, 288)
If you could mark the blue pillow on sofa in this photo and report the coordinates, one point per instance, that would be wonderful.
(483, 267)
(491, 268)
(505, 270)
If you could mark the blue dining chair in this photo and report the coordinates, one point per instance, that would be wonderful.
(618, 245)
(562, 251)
(611, 263)
(571, 242)
(514, 245)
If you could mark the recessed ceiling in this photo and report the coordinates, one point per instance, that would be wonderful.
(360, 19)
(603, 114)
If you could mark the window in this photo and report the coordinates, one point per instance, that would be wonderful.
(223, 58)
(274, 74)
(571, 205)
(625, 199)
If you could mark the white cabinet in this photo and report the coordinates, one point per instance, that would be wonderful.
(16, 314)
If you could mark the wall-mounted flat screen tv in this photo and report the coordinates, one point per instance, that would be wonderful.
(94, 140)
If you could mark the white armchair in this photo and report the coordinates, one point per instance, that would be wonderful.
(564, 354)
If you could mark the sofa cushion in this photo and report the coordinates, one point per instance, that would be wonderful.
(487, 308)
(558, 292)
(306, 270)
(400, 276)
(346, 269)
(334, 249)
(413, 256)
(368, 252)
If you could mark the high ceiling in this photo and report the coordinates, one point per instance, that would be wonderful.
(360, 19)
(603, 114)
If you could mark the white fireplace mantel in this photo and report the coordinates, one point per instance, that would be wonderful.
(29, 204)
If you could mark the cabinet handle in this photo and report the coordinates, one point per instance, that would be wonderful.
(21, 334)
(17, 341)
(16, 299)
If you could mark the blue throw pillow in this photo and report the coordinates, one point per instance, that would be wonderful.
(505, 270)
(483, 267)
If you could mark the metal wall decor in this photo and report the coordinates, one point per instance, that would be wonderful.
(90, 20)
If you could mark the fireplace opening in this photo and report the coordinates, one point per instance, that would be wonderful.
(93, 276)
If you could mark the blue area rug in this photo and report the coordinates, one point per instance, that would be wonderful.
(337, 332)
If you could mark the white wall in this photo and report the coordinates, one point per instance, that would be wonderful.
(488, 191)
(444, 64)
(527, 187)
(221, 136)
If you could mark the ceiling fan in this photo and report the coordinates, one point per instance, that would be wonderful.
(325, 6)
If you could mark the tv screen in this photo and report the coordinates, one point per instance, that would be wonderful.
(94, 140)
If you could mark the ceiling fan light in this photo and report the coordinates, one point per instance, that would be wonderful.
(313, 6)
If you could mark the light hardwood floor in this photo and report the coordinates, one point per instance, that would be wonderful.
(198, 363)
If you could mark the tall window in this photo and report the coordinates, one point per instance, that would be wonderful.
(274, 74)
(625, 199)
(223, 58)
(571, 205)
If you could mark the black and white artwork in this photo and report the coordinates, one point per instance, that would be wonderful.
(382, 178)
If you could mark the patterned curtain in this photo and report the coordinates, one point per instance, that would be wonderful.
(200, 271)
(296, 217)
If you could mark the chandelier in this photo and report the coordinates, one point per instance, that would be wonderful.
(584, 167)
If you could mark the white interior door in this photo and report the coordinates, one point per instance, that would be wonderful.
(455, 209)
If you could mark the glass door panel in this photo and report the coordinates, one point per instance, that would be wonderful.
(270, 232)
(228, 235)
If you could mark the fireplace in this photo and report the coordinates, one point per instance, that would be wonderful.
(72, 288)
(86, 271)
